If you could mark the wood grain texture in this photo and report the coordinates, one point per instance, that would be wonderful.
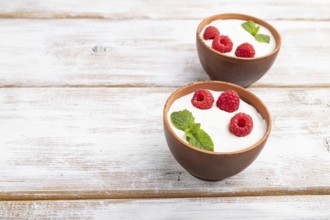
(41, 53)
(164, 9)
(109, 143)
(280, 208)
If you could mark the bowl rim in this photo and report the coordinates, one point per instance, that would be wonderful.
(226, 16)
(235, 87)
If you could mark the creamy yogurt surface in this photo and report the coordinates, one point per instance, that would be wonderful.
(234, 30)
(216, 123)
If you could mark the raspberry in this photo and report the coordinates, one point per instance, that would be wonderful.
(245, 50)
(210, 33)
(222, 43)
(241, 124)
(202, 99)
(228, 101)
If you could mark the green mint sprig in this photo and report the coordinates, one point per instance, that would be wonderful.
(262, 38)
(185, 121)
(253, 29)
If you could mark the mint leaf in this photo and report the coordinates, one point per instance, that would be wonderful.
(185, 121)
(251, 27)
(199, 138)
(262, 38)
(255, 31)
(193, 127)
(182, 120)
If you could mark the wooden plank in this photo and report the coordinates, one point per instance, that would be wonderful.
(281, 208)
(143, 9)
(109, 143)
(148, 53)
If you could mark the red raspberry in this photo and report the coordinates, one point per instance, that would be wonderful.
(210, 33)
(228, 101)
(245, 50)
(241, 124)
(222, 43)
(202, 99)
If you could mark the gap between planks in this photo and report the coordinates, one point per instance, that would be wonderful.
(96, 16)
(82, 86)
(145, 194)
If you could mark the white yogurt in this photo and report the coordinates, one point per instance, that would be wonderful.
(216, 123)
(234, 30)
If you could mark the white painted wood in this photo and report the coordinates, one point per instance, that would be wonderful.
(66, 143)
(109, 142)
(163, 9)
(280, 208)
(141, 53)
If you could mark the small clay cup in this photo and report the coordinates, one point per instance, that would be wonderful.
(241, 71)
(214, 165)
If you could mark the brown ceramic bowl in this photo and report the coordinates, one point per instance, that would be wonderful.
(241, 71)
(214, 165)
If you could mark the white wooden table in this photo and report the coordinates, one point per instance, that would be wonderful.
(82, 87)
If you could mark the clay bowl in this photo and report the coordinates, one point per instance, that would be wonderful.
(241, 71)
(213, 165)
